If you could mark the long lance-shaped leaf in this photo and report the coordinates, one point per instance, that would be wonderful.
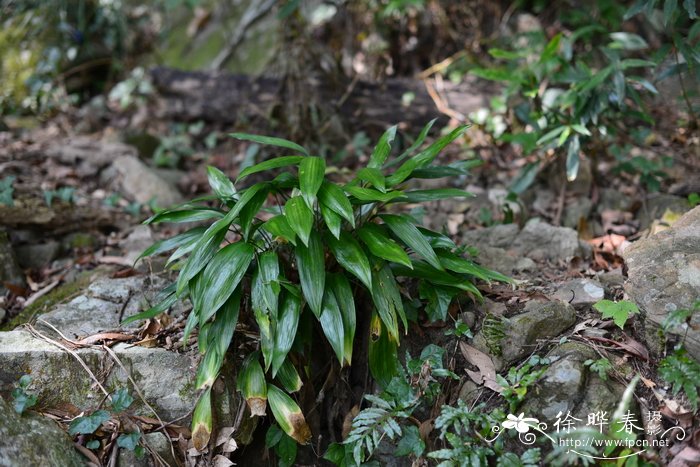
(288, 377)
(381, 246)
(268, 328)
(266, 288)
(387, 300)
(185, 238)
(275, 163)
(332, 220)
(382, 149)
(252, 385)
(209, 367)
(191, 214)
(287, 325)
(422, 196)
(312, 273)
(369, 195)
(373, 176)
(463, 266)
(288, 415)
(154, 311)
(416, 144)
(224, 325)
(408, 233)
(190, 324)
(220, 183)
(334, 198)
(299, 217)
(423, 270)
(251, 209)
(332, 325)
(202, 421)
(383, 357)
(312, 170)
(350, 256)
(270, 141)
(279, 227)
(222, 275)
(340, 287)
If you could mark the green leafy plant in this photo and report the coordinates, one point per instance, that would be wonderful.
(683, 373)
(619, 311)
(693, 199)
(602, 366)
(7, 190)
(65, 194)
(309, 252)
(518, 379)
(22, 399)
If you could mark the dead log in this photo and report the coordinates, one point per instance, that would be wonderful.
(220, 97)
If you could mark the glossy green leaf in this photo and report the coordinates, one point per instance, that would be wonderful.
(334, 198)
(250, 210)
(267, 326)
(387, 300)
(416, 144)
(421, 196)
(202, 421)
(312, 170)
(383, 353)
(266, 288)
(222, 275)
(373, 176)
(288, 377)
(209, 368)
(350, 256)
(203, 251)
(382, 149)
(163, 306)
(464, 266)
(279, 227)
(381, 246)
(332, 325)
(270, 141)
(194, 214)
(438, 299)
(437, 240)
(287, 324)
(372, 196)
(288, 415)
(403, 228)
(274, 163)
(220, 183)
(423, 270)
(185, 238)
(340, 287)
(572, 159)
(224, 325)
(332, 220)
(312, 273)
(252, 385)
(299, 217)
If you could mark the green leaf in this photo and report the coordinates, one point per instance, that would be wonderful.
(438, 300)
(627, 41)
(334, 198)
(416, 144)
(288, 377)
(669, 10)
(383, 355)
(312, 273)
(403, 228)
(129, 440)
(265, 288)
(332, 220)
(373, 176)
(89, 424)
(332, 325)
(251, 209)
(572, 158)
(203, 252)
(618, 311)
(550, 51)
(423, 270)
(421, 196)
(221, 331)
(340, 287)
(154, 311)
(274, 163)
(220, 183)
(221, 277)
(370, 195)
(636, 63)
(410, 443)
(689, 6)
(270, 141)
(288, 415)
(194, 214)
(312, 170)
(350, 256)
(382, 149)
(121, 400)
(596, 80)
(387, 299)
(279, 227)
(267, 326)
(494, 74)
(550, 135)
(299, 217)
(381, 246)
(185, 238)
(287, 324)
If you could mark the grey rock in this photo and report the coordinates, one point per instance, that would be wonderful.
(138, 240)
(9, 269)
(32, 440)
(503, 261)
(577, 210)
(139, 182)
(657, 204)
(580, 292)
(612, 200)
(38, 255)
(664, 275)
(88, 154)
(498, 236)
(544, 242)
(158, 442)
(611, 279)
(522, 332)
(469, 391)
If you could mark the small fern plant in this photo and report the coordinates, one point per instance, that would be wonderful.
(298, 251)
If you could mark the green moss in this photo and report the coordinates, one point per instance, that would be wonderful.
(61, 294)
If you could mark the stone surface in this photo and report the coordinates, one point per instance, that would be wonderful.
(657, 204)
(504, 261)
(579, 209)
(498, 236)
(664, 275)
(9, 269)
(37, 255)
(544, 242)
(138, 240)
(580, 292)
(522, 332)
(142, 184)
(32, 440)
(89, 155)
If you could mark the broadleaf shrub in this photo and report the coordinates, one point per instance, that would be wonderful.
(301, 250)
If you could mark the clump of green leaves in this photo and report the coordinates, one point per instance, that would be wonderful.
(65, 194)
(620, 311)
(22, 399)
(602, 366)
(7, 190)
(518, 379)
(310, 251)
(683, 373)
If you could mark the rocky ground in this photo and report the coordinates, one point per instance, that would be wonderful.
(68, 279)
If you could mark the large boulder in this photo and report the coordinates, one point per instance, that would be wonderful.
(142, 184)
(30, 439)
(664, 275)
(88, 155)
